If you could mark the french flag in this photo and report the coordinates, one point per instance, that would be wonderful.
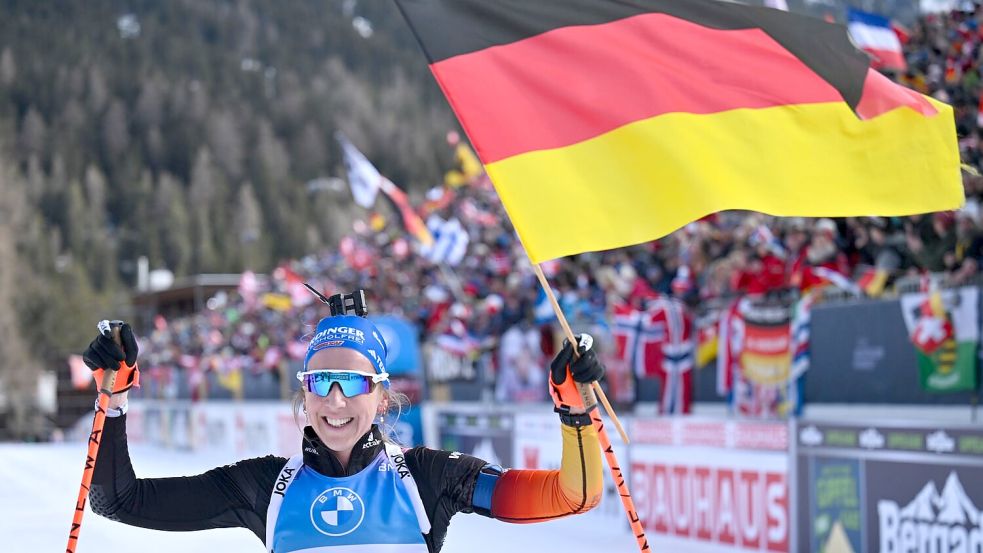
(873, 34)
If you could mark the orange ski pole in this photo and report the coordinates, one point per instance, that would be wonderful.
(619, 481)
(616, 473)
(95, 437)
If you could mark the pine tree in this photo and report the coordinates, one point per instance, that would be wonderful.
(206, 210)
(174, 228)
(249, 230)
(8, 68)
(18, 371)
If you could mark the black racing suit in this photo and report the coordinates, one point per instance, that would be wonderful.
(238, 495)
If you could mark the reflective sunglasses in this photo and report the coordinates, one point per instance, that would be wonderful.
(351, 383)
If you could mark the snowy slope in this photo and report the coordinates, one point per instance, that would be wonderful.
(40, 484)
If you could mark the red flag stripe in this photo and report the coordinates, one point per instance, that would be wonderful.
(561, 87)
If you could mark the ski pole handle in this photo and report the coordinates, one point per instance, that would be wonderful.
(585, 391)
(95, 438)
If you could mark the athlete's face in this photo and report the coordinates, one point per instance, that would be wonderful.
(338, 420)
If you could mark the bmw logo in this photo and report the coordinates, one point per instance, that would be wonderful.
(337, 512)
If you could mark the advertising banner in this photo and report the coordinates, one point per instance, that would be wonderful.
(485, 435)
(446, 362)
(245, 429)
(867, 344)
(884, 488)
(711, 485)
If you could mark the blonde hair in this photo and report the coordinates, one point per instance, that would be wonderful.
(395, 402)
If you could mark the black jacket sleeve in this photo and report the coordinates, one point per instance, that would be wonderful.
(446, 482)
(225, 497)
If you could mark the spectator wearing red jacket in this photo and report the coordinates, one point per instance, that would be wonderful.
(822, 251)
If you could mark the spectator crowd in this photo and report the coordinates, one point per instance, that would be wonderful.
(488, 306)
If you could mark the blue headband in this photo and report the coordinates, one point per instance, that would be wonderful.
(349, 331)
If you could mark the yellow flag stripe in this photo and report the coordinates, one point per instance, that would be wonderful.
(648, 178)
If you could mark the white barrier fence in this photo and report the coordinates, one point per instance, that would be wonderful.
(698, 484)
(248, 429)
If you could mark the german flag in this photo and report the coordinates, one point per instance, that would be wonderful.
(608, 123)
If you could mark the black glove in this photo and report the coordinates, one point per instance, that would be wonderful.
(585, 369)
(103, 353)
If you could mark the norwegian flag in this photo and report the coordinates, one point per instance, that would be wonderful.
(800, 339)
(659, 344)
(626, 322)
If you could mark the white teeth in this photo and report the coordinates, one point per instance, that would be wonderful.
(337, 423)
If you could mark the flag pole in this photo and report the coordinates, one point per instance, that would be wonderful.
(602, 436)
(570, 337)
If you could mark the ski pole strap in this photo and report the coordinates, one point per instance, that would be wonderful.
(575, 420)
(112, 413)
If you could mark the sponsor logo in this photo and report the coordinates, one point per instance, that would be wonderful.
(871, 439)
(371, 443)
(586, 341)
(731, 508)
(867, 356)
(339, 333)
(337, 512)
(446, 365)
(940, 442)
(400, 462)
(283, 481)
(932, 521)
(454, 455)
(810, 435)
(309, 449)
(328, 344)
(378, 361)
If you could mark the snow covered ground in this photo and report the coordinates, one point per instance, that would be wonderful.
(40, 483)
